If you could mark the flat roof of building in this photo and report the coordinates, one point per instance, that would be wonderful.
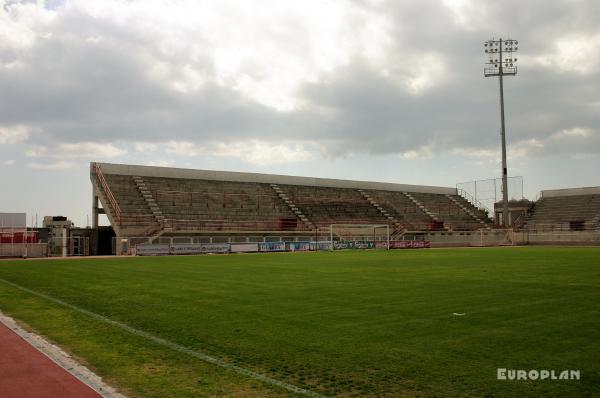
(172, 172)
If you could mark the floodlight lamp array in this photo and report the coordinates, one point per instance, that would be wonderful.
(496, 50)
(496, 46)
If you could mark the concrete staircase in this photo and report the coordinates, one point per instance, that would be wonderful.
(421, 206)
(469, 212)
(397, 224)
(292, 206)
(154, 209)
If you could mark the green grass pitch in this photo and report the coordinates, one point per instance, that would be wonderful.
(351, 323)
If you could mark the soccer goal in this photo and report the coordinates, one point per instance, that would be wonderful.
(359, 236)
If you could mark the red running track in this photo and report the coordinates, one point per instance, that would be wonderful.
(27, 373)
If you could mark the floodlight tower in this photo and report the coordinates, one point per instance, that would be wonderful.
(502, 63)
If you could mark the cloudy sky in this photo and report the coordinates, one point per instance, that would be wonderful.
(356, 89)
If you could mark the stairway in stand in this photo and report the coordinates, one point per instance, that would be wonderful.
(399, 227)
(421, 206)
(292, 206)
(469, 212)
(154, 209)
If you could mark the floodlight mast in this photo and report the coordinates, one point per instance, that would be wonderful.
(501, 65)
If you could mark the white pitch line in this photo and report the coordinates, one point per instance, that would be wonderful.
(174, 346)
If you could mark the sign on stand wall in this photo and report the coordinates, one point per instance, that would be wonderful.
(272, 246)
(243, 247)
(152, 250)
(202, 248)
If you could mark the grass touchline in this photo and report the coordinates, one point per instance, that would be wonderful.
(348, 323)
(166, 343)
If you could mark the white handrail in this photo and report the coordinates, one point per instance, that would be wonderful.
(474, 201)
(109, 195)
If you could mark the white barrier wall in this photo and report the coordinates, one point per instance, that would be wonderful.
(148, 249)
(29, 250)
(567, 238)
(152, 250)
(199, 248)
(470, 238)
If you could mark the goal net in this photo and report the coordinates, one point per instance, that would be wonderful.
(371, 234)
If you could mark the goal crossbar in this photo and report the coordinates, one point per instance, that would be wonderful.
(363, 232)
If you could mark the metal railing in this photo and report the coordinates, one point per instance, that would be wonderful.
(109, 195)
(540, 195)
(216, 225)
(471, 199)
(519, 221)
(231, 225)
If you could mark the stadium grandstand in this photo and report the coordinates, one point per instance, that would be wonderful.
(158, 201)
(573, 209)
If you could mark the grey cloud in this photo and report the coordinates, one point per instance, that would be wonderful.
(71, 90)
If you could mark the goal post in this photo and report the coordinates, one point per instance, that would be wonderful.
(360, 233)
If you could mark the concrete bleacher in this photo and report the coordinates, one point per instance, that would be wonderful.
(134, 210)
(190, 205)
(399, 206)
(144, 201)
(453, 210)
(325, 206)
(567, 209)
(479, 213)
